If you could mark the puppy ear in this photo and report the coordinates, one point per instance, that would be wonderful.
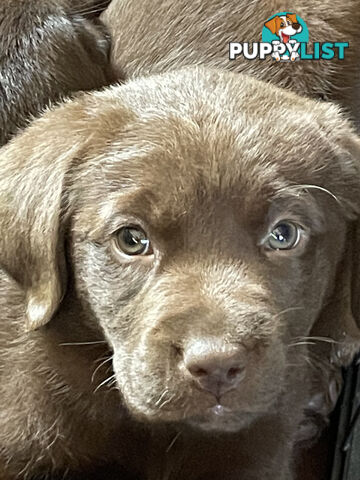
(33, 209)
(292, 17)
(272, 25)
(340, 319)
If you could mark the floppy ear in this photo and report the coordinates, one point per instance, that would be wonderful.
(292, 17)
(32, 208)
(340, 319)
(272, 25)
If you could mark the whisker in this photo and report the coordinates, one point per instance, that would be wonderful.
(294, 365)
(173, 442)
(310, 186)
(319, 339)
(161, 397)
(104, 382)
(165, 402)
(81, 343)
(286, 310)
(99, 366)
(87, 9)
(301, 343)
(102, 358)
(311, 363)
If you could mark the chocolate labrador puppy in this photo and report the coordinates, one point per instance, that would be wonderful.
(154, 36)
(161, 272)
(48, 49)
(175, 33)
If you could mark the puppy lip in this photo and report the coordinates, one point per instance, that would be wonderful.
(220, 419)
(219, 410)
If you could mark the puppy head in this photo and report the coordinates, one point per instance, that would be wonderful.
(287, 24)
(205, 237)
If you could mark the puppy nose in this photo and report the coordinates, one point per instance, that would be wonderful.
(296, 26)
(216, 370)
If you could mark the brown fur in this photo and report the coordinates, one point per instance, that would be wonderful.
(174, 33)
(154, 36)
(48, 50)
(206, 171)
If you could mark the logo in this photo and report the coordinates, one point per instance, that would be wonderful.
(285, 37)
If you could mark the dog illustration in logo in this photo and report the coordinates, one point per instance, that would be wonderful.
(284, 26)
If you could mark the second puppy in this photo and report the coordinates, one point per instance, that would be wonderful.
(48, 49)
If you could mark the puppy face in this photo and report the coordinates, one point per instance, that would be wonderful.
(211, 251)
(284, 26)
(205, 238)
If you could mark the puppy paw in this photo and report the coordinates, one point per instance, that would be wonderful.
(344, 353)
(276, 56)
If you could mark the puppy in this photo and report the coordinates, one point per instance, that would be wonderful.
(176, 33)
(161, 270)
(284, 26)
(48, 50)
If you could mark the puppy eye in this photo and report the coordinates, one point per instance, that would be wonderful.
(284, 236)
(282, 24)
(133, 241)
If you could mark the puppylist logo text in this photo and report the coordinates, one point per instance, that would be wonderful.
(285, 37)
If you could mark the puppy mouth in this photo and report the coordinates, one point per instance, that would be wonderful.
(205, 414)
(221, 419)
(219, 410)
(288, 32)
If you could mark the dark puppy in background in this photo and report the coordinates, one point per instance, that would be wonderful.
(189, 242)
(48, 50)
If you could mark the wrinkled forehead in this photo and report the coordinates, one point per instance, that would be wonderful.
(169, 166)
